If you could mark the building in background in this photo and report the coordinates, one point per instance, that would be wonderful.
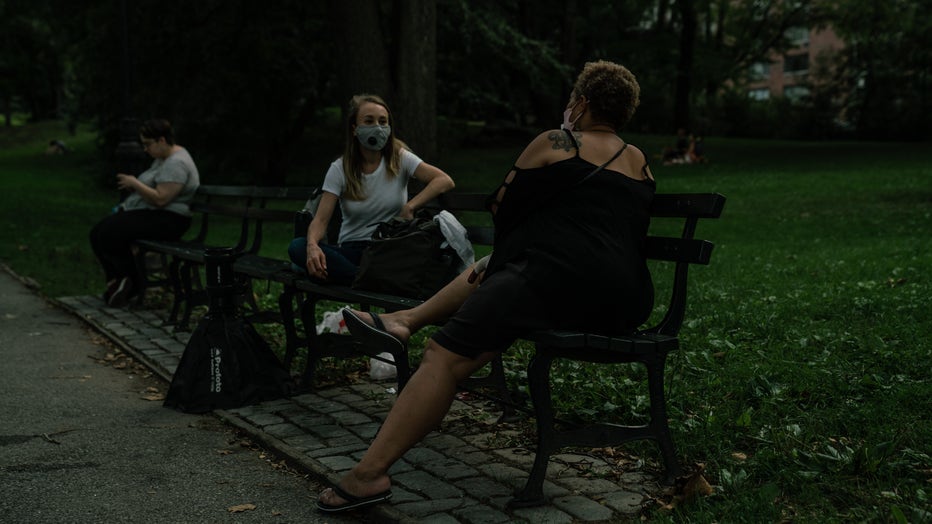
(793, 75)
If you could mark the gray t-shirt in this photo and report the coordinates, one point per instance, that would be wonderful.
(384, 199)
(178, 168)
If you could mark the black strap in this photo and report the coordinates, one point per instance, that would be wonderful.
(573, 139)
(600, 168)
(574, 186)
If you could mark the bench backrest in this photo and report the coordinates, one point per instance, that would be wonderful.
(224, 201)
(682, 250)
(248, 206)
(276, 205)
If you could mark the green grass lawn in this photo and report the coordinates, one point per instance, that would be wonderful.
(803, 379)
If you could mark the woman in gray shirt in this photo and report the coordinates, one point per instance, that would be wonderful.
(156, 209)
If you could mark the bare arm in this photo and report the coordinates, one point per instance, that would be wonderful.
(316, 231)
(437, 182)
(159, 196)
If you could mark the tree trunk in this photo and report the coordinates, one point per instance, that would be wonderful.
(277, 161)
(684, 64)
(660, 24)
(415, 67)
(361, 50)
(716, 42)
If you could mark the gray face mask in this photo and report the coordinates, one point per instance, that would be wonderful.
(373, 137)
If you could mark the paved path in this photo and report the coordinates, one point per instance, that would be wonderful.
(80, 441)
(466, 472)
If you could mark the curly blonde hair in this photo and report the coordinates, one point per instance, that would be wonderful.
(612, 91)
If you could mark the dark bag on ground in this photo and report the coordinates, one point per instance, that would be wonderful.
(226, 363)
(407, 257)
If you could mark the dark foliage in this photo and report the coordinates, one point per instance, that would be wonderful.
(255, 91)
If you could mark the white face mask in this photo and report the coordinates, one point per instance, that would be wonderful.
(567, 123)
(373, 137)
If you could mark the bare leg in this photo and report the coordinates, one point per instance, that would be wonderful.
(420, 408)
(435, 309)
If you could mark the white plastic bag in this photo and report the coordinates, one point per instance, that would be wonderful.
(332, 322)
(379, 370)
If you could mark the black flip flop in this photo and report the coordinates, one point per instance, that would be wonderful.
(352, 501)
(374, 336)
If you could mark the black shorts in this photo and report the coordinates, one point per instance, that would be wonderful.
(502, 309)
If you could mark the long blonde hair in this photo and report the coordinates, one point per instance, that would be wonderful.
(352, 155)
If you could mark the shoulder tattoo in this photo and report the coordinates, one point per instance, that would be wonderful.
(561, 141)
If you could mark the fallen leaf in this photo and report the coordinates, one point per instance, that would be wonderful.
(22, 247)
(241, 508)
(224, 452)
(737, 455)
(688, 488)
(697, 485)
(154, 397)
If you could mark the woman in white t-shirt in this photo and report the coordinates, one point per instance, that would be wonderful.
(156, 209)
(370, 184)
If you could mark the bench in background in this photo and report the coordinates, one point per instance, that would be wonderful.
(237, 215)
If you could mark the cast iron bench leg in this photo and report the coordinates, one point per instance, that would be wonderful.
(539, 384)
(287, 311)
(308, 310)
(658, 416)
(174, 276)
(402, 368)
(188, 286)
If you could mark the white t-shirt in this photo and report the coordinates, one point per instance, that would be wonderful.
(385, 196)
(178, 168)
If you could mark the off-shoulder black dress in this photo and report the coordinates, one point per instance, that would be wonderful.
(567, 255)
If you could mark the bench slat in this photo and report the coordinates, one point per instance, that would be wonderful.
(228, 210)
(224, 191)
(283, 193)
(691, 251)
(699, 205)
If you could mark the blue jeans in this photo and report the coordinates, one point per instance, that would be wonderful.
(342, 259)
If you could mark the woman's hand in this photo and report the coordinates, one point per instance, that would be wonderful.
(316, 261)
(407, 211)
(159, 196)
(125, 181)
(478, 269)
